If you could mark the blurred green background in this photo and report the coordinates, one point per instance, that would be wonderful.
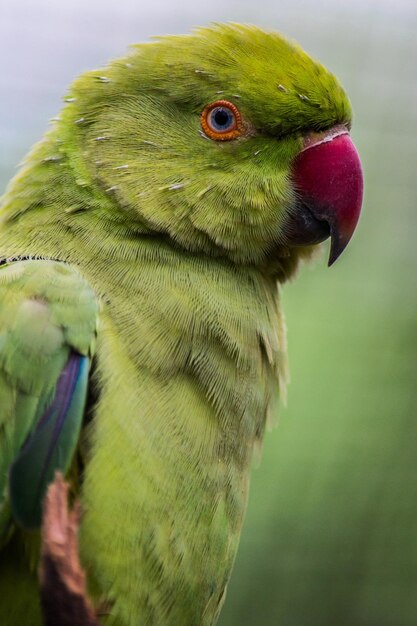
(331, 532)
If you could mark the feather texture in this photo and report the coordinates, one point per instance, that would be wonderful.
(175, 246)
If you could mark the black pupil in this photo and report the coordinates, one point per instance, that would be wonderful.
(222, 117)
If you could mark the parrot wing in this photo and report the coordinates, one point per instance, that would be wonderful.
(48, 322)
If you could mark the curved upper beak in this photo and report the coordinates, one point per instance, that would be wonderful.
(328, 179)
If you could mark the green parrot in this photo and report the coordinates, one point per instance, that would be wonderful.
(142, 344)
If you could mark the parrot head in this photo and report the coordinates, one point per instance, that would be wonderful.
(230, 141)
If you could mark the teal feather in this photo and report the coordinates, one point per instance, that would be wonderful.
(52, 444)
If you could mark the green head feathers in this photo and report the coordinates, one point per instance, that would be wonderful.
(134, 130)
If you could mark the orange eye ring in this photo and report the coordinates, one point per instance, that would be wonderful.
(221, 120)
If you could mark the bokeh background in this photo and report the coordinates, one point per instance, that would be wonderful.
(331, 532)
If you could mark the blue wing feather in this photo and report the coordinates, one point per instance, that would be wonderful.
(51, 445)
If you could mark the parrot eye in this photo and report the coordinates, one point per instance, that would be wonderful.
(221, 120)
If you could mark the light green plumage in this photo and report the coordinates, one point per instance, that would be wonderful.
(179, 238)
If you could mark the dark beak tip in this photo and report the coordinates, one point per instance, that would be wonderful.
(334, 255)
(338, 245)
(332, 259)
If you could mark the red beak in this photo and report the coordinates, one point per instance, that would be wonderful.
(328, 178)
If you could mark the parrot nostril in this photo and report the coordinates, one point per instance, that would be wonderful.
(316, 138)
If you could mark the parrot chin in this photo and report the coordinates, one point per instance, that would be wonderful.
(328, 180)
